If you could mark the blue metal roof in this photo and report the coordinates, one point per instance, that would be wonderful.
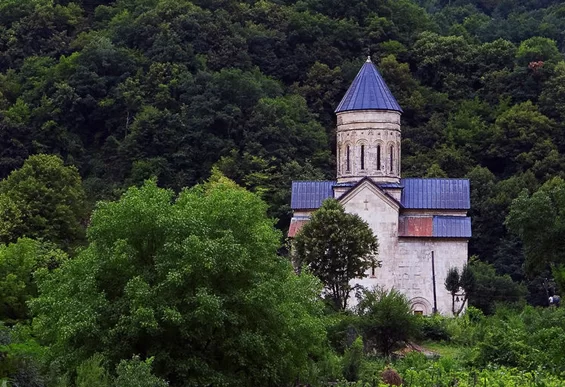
(452, 227)
(368, 91)
(441, 194)
(310, 194)
(447, 194)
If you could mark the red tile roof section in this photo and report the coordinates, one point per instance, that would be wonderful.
(295, 226)
(415, 226)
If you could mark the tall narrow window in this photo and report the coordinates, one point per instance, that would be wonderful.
(362, 156)
(347, 162)
(391, 158)
(378, 157)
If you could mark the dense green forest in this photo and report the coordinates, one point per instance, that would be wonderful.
(128, 90)
(172, 90)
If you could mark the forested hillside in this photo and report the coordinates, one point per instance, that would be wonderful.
(131, 89)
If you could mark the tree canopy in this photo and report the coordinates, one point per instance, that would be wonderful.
(44, 199)
(336, 247)
(130, 90)
(538, 221)
(193, 281)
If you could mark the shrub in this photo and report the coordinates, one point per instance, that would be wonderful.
(352, 360)
(91, 373)
(434, 328)
(385, 319)
(137, 373)
(343, 331)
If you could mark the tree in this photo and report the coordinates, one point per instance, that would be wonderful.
(336, 247)
(455, 282)
(452, 285)
(539, 221)
(491, 288)
(385, 319)
(137, 373)
(18, 262)
(91, 373)
(537, 49)
(44, 199)
(194, 282)
(516, 133)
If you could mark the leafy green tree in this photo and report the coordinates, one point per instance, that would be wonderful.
(137, 373)
(537, 49)
(352, 359)
(515, 135)
(194, 282)
(47, 201)
(336, 247)
(18, 262)
(539, 222)
(455, 282)
(491, 289)
(92, 373)
(385, 319)
(435, 171)
(443, 61)
(452, 285)
(21, 357)
(552, 98)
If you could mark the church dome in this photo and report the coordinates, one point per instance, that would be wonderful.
(368, 92)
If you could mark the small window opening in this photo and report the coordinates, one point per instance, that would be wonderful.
(348, 154)
(419, 312)
(362, 156)
(378, 157)
(391, 158)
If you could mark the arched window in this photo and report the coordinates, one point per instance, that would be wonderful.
(378, 157)
(391, 158)
(362, 156)
(348, 159)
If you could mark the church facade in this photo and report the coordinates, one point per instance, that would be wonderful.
(421, 224)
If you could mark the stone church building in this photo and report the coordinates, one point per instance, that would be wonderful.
(421, 224)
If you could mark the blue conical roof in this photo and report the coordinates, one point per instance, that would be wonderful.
(368, 91)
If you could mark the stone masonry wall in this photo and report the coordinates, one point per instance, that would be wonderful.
(365, 132)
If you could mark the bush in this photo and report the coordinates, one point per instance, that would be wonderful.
(137, 373)
(386, 319)
(434, 328)
(352, 360)
(91, 373)
(343, 332)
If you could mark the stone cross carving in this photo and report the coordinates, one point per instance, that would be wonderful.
(366, 203)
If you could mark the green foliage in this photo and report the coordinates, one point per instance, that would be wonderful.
(385, 319)
(454, 282)
(492, 289)
(137, 373)
(21, 357)
(193, 281)
(336, 247)
(352, 360)
(537, 49)
(18, 263)
(434, 327)
(92, 373)
(43, 200)
(130, 90)
(538, 221)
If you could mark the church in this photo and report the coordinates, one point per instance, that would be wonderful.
(421, 224)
